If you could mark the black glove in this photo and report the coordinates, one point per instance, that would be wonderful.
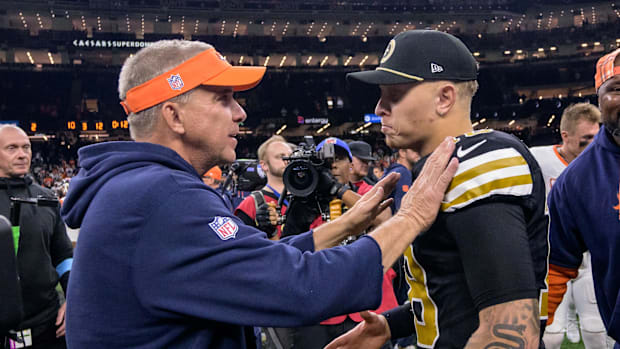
(328, 185)
(299, 215)
(263, 223)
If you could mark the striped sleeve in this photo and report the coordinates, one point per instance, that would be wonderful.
(498, 172)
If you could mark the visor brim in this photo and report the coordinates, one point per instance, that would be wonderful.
(379, 77)
(239, 78)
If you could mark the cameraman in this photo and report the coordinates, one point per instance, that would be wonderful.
(44, 251)
(254, 209)
(319, 335)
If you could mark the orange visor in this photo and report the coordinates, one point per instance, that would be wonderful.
(206, 68)
(605, 69)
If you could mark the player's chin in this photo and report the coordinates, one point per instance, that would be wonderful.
(394, 142)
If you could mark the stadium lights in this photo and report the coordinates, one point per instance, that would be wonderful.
(519, 52)
(346, 63)
(363, 60)
(323, 128)
(511, 122)
(30, 57)
(550, 120)
(266, 61)
(282, 128)
(49, 54)
(309, 60)
(241, 60)
(476, 54)
(540, 49)
(475, 124)
(507, 52)
(324, 61)
(553, 48)
(282, 61)
(483, 120)
(584, 45)
(597, 44)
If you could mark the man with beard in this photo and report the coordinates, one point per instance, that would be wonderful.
(254, 209)
(585, 209)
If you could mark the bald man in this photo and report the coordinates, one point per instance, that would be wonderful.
(44, 251)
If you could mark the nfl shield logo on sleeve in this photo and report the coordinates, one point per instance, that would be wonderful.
(224, 227)
(175, 82)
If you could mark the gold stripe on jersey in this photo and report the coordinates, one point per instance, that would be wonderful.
(481, 191)
(497, 172)
(484, 168)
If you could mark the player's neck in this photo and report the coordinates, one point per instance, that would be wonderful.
(567, 156)
(447, 127)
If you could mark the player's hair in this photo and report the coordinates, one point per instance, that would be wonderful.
(577, 112)
(262, 149)
(467, 89)
(148, 63)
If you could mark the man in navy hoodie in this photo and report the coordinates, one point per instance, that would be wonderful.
(162, 263)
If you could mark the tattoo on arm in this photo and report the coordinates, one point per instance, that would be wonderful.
(511, 325)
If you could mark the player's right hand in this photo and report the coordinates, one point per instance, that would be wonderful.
(371, 333)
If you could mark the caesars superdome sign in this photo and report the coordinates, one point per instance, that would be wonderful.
(111, 43)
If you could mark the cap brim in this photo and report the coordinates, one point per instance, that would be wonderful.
(379, 77)
(239, 78)
(366, 158)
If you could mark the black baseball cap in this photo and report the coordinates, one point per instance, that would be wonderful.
(361, 150)
(419, 55)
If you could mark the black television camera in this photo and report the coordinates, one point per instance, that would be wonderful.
(245, 175)
(303, 173)
(306, 179)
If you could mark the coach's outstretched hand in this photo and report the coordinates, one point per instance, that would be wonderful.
(371, 204)
(371, 333)
(422, 201)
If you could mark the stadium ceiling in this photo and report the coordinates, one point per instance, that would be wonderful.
(186, 18)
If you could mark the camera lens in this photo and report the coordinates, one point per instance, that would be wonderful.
(300, 178)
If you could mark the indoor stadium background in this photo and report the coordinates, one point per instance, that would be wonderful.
(59, 63)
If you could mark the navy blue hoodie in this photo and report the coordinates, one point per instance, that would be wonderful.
(162, 263)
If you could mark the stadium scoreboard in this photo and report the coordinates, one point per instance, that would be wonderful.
(82, 125)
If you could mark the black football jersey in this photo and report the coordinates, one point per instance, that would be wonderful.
(491, 216)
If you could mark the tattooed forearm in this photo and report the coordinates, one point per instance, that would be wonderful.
(512, 325)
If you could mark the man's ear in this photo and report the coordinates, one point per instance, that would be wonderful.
(263, 166)
(564, 135)
(173, 116)
(446, 98)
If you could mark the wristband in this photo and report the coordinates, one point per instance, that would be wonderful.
(401, 321)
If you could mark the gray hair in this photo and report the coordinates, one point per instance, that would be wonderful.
(148, 63)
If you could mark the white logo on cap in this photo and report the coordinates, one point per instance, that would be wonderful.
(436, 68)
